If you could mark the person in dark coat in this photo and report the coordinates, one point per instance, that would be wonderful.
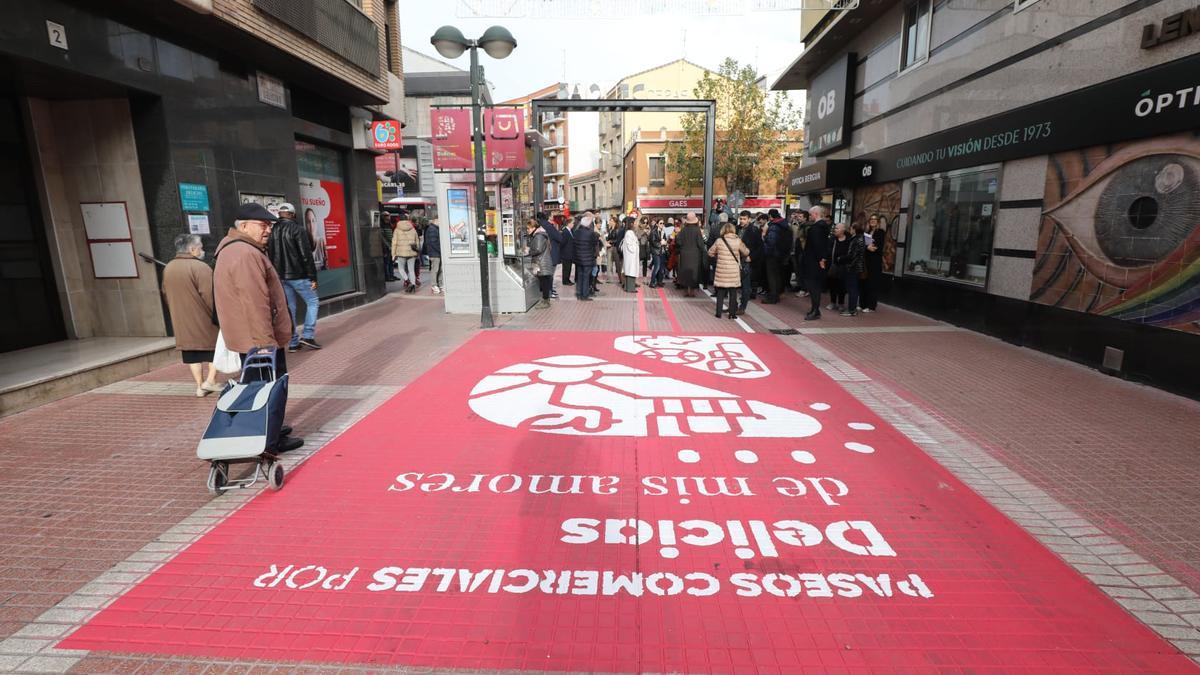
(567, 239)
(752, 238)
(799, 230)
(852, 264)
(584, 247)
(815, 259)
(877, 231)
(692, 254)
(556, 240)
(432, 247)
(777, 247)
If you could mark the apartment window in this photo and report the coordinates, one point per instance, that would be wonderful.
(914, 48)
(658, 171)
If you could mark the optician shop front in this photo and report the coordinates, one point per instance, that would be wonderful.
(1071, 225)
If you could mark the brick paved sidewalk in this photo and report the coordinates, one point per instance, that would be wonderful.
(1122, 454)
(92, 480)
(89, 480)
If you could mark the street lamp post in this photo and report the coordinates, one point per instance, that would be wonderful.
(498, 43)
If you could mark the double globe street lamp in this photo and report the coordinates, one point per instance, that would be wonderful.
(498, 43)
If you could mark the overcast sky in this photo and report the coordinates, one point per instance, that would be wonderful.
(603, 48)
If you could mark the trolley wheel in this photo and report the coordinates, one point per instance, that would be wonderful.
(275, 475)
(218, 477)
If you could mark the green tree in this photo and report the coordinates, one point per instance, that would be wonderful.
(752, 131)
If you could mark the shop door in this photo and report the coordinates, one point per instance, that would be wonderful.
(28, 295)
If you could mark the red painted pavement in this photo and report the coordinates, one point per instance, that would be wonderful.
(666, 304)
(881, 560)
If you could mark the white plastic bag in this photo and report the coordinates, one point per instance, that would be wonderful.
(224, 360)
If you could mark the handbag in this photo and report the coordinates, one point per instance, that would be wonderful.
(224, 360)
(743, 266)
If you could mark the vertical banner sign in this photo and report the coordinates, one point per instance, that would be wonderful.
(324, 213)
(451, 130)
(829, 107)
(505, 135)
(385, 135)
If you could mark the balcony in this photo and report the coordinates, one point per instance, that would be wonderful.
(552, 118)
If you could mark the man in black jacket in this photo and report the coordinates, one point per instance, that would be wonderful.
(556, 241)
(290, 250)
(431, 245)
(777, 245)
(815, 259)
(568, 237)
(585, 244)
(752, 238)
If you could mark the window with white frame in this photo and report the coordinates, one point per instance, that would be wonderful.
(914, 40)
(658, 171)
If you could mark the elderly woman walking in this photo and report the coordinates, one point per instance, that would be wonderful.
(730, 254)
(188, 287)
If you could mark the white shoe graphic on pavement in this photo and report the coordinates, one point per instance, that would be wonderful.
(583, 395)
(716, 354)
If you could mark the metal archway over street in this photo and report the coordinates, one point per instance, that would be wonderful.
(626, 503)
(706, 106)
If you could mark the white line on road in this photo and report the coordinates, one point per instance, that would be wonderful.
(745, 326)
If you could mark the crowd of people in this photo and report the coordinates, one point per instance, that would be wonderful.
(761, 256)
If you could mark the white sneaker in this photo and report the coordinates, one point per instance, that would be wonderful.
(867, 311)
(436, 290)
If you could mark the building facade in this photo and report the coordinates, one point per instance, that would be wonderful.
(556, 156)
(129, 122)
(1037, 163)
(583, 190)
(652, 188)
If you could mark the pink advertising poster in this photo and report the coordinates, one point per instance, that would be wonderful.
(324, 213)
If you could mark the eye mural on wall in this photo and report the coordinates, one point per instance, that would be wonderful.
(1120, 234)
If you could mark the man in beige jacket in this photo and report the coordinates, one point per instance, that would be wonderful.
(251, 306)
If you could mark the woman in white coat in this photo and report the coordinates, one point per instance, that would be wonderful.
(631, 264)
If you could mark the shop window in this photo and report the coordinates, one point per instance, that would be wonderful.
(953, 219)
(322, 210)
(658, 171)
(914, 48)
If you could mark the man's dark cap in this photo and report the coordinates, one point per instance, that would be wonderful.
(252, 211)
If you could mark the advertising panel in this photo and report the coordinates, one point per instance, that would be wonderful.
(323, 209)
(829, 106)
(505, 128)
(385, 135)
(399, 173)
(458, 216)
(451, 131)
